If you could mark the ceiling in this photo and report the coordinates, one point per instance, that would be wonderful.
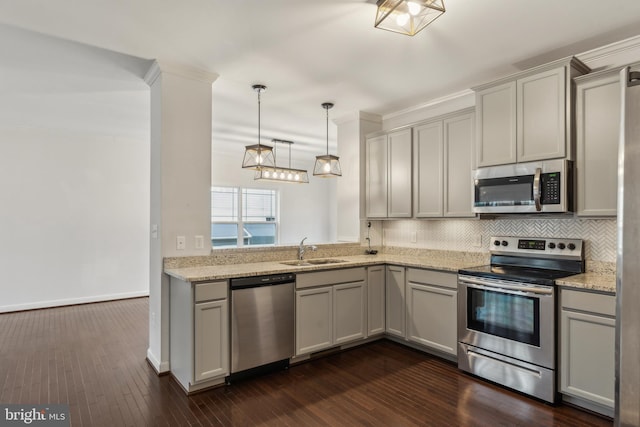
(309, 52)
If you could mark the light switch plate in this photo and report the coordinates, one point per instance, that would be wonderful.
(414, 236)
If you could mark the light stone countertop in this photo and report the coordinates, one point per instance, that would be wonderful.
(590, 281)
(600, 276)
(220, 272)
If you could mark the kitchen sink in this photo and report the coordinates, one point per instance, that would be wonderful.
(317, 261)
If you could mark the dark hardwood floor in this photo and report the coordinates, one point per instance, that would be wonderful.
(93, 358)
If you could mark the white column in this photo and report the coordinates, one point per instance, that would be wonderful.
(352, 131)
(180, 184)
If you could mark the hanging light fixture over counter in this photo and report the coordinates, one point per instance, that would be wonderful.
(262, 158)
(282, 174)
(407, 16)
(258, 155)
(327, 166)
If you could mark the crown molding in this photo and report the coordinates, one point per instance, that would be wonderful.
(618, 48)
(159, 67)
(434, 103)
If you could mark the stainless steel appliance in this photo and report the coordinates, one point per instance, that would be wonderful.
(262, 323)
(536, 187)
(627, 390)
(507, 312)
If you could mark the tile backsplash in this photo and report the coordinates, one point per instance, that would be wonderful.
(465, 234)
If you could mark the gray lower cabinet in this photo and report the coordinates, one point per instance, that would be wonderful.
(199, 328)
(330, 309)
(314, 319)
(375, 300)
(587, 349)
(395, 304)
(432, 303)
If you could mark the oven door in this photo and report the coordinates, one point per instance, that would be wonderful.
(511, 318)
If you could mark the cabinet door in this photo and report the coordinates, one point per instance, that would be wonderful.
(314, 319)
(428, 170)
(588, 357)
(541, 116)
(375, 299)
(399, 190)
(376, 177)
(211, 339)
(432, 317)
(395, 309)
(598, 129)
(458, 183)
(496, 132)
(349, 312)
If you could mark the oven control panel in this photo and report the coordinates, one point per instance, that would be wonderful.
(540, 246)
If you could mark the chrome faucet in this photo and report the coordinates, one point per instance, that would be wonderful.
(302, 249)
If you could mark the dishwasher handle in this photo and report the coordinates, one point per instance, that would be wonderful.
(260, 281)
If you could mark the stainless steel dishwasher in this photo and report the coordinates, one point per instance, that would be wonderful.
(262, 323)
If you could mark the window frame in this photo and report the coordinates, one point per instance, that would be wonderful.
(240, 194)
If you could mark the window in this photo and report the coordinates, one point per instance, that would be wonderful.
(243, 216)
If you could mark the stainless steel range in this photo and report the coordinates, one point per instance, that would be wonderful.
(507, 312)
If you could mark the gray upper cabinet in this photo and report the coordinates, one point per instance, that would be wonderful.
(597, 135)
(527, 116)
(541, 109)
(388, 175)
(458, 159)
(496, 131)
(376, 179)
(442, 165)
(428, 166)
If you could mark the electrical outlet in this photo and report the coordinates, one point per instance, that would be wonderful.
(477, 241)
(414, 236)
(181, 243)
(199, 242)
(154, 231)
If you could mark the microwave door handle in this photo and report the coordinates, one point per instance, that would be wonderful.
(537, 194)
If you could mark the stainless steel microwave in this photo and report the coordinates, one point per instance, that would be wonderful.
(536, 187)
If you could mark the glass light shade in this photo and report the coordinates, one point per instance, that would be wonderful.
(327, 166)
(295, 176)
(407, 17)
(257, 156)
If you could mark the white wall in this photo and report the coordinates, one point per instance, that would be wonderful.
(74, 184)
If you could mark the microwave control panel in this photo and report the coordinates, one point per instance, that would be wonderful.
(550, 183)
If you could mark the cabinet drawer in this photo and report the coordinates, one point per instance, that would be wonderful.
(431, 277)
(211, 290)
(330, 277)
(589, 301)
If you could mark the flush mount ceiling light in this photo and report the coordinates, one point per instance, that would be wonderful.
(258, 155)
(277, 173)
(407, 16)
(327, 166)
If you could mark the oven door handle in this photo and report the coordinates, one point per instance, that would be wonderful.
(537, 194)
(489, 285)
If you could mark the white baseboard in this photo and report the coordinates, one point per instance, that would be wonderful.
(160, 367)
(71, 301)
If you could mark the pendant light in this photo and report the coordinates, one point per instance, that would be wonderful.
(258, 155)
(282, 174)
(407, 16)
(327, 166)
